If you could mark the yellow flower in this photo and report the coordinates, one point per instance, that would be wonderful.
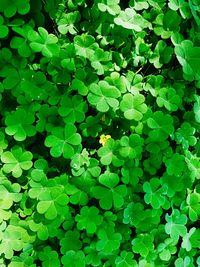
(104, 138)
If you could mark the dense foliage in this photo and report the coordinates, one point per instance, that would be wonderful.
(99, 138)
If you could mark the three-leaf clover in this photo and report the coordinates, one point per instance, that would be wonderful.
(49, 257)
(10, 8)
(73, 258)
(161, 125)
(43, 42)
(168, 98)
(9, 193)
(112, 7)
(52, 199)
(109, 194)
(21, 43)
(188, 57)
(143, 244)
(62, 141)
(125, 259)
(88, 219)
(185, 135)
(101, 61)
(131, 20)
(133, 106)
(108, 240)
(175, 226)
(13, 239)
(176, 164)
(107, 153)
(71, 241)
(131, 147)
(167, 249)
(16, 160)
(85, 45)
(67, 21)
(192, 205)
(73, 109)
(154, 194)
(19, 124)
(103, 96)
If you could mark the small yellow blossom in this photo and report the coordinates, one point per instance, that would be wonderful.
(104, 138)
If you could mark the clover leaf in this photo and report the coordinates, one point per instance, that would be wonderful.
(3, 28)
(131, 147)
(16, 160)
(111, 194)
(100, 61)
(161, 125)
(78, 161)
(133, 213)
(167, 249)
(112, 7)
(9, 193)
(67, 21)
(193, 165)
(143, 244)
(108, 240)
(175, 165)
(92, 257)
(79, 197)
(80, 86)
(85, 45)
(70, 241)
(43, 228)
(154, 195)
(185, 135)
(52, 199)
(19, 124)
(49, 257)
(168, 98)
(162, 54)
(131, 173)
(183, 7)
(125, 259)
(106, 153)
(118, 81)
(188, 57)
(129, 19)
(171, 21)
(91, 126)
(63, 141)
(133, 106)
(13, 238)
(10, 8)
(43, 42)
(186, 261)
(21, 43)
(50, 205)
(175, 226)
(187, 244)
(192, 205)
(88, 219)
(103, 96)
(73, 109)
(73, 259)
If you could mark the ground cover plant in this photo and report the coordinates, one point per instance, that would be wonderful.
(99, 138)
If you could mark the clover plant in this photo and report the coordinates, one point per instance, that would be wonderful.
(99, 137)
